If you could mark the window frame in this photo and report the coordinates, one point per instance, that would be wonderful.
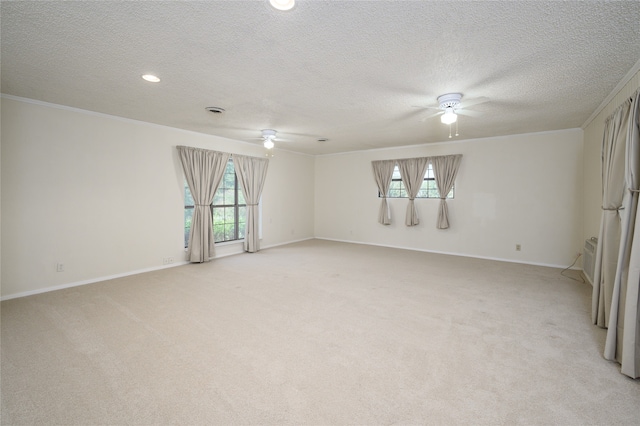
(237, 193)
(428, 177)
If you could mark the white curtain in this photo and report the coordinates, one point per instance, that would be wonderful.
(613, 152)
(445, 169)
(251, 172)
(412, 172)
(617, 278)
(203, 170)
(383, 173)
(623, 334)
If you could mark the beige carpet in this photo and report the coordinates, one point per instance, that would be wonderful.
(317, 333)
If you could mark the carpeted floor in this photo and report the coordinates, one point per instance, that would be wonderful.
(320, 333)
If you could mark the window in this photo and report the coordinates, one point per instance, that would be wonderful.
(428, 189)
(229, 210)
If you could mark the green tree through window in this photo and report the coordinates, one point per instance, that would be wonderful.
(229, 210)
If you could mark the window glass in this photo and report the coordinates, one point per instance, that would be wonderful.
(228, 209)
(428, 189)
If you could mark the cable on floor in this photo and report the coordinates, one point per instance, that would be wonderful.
(581, 280)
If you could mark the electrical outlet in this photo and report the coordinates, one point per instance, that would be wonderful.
(518, 247)
(59, 267)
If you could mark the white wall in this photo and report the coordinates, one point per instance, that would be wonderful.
(104, 196)
(593, 134)
(522, 189)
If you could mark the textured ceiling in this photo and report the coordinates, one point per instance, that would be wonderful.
(348, 71)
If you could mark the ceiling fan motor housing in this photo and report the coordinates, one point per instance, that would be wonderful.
(450, 100)
(269, 134)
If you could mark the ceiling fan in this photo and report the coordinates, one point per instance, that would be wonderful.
(268, 136)
(450, 105)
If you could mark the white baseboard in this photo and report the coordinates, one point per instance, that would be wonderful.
(241, 249)
(90, 281)
(450, 253)
(126, 274)
(141, 271)
(288, 242)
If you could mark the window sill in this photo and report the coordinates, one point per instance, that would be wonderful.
(229, 243)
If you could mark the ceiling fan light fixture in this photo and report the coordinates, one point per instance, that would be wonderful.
(269, 135)
(449, 116)
(283, 4)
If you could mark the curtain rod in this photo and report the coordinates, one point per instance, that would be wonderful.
(213, 150)
(410, 158)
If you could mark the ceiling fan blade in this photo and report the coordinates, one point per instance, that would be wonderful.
(426, 107)
(472, 102)
(468, 113)
(423, 119)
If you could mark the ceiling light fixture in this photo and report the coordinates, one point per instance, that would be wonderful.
(269, 135)
(151, 78)
(283, 4)
(449, 116)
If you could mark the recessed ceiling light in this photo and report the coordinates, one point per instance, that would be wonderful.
(151, 78)
(283, 4)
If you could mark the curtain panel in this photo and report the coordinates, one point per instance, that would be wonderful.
(203, 170)
(251, 172)
(445, 169)
(412, 171)
(613, 151)
(383, 173)
(616, 290)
